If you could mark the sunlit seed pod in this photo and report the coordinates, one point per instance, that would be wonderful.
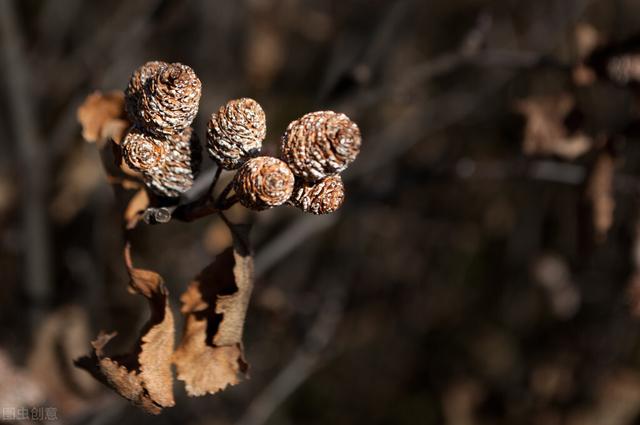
(169, 100)
(180, 165)
(235, 133)
(135, 88)
(320, 144)
(263, 182)
(143, 152)
(322, 197)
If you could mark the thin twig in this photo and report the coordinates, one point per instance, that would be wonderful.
(303, 364)
(37, 249)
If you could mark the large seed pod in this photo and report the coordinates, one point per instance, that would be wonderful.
(134, 90)
(180, 165)
(263, 182)
(169, 100)
(235, 133)
(322, 197)
(143, 152)
(320, 144)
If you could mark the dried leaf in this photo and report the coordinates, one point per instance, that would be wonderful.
(136, 206)
(599, 193)
(143, 376)
(97, 111)
(545, 131)
(80, 176)
(210, 356)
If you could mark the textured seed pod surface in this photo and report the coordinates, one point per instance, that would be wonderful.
(169, 100)
(180, 166)
(624, 69)
(136, 85)
(143, 152)
(322, 197)
(320, 144)
(263, 182)
(235, 132)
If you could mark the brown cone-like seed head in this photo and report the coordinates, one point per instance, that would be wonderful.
(143, 152)
(263, 182)
(322, 197)
(235, 133)
(134, 90)
(169, 100)
(320, 144)
(180, 167)
(168, 164)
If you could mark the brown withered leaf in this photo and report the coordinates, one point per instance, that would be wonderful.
(98, 110)
(210, 356)
(545, 132)
(599, 193)
(143, 376)
(136, 206)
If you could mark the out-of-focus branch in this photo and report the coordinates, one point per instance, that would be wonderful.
(33, 165)
(303, 364)
(293, 236)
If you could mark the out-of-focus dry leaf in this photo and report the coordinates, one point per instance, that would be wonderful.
(144, 375)
(617, 401)
(8, 192)
(599, 194)
(61, 338)
(210, 356)
(587, 38)
(460, 401)
(545, 132)
(17, 387)
(265, 51)
(104, 122)
(97, 110)
(552, 273)
(216, 238)
(133, 213)
(81, 175)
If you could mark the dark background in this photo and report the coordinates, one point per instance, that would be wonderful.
(463, 281)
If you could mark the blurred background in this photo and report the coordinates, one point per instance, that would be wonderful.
(485, 268)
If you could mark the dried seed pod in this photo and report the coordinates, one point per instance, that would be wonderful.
(320, 144)
(263, 182)
(134, 90)
(624, 69)
(143, 152)
(235, 133)
(322, 197)
(180, 165)
(169, 100)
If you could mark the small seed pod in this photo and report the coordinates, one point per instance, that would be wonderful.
(134, 90)
(180, 165)
(322, 197)
(143, 152)
(235, 133)
(169, 100)
(263, 182)
(320, 144)
(624, 69)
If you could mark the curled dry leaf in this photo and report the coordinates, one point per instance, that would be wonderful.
(98, 110)
(210, 356)
(104, 122)
(135, 208)
(599, 194)
(144, 375)
(545, 132)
